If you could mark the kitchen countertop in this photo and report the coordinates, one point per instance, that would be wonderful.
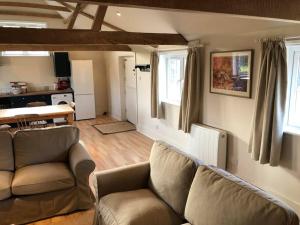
(69, 90)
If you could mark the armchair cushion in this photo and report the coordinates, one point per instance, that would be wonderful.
(5, 184)
(6, 152)
(42, 178)
(136, 208)
(171, 175)
(54, 143)
(125, 178)
(217, 197)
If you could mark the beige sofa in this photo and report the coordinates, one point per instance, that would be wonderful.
(43, 173)
(172, 189)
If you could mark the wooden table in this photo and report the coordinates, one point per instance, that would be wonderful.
(41, 113)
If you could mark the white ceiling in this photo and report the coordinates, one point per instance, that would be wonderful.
(190, 24)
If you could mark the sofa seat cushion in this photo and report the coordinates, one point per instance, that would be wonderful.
(42, 178)
(217, 197)
(139, 207)
(5, 184)
(171, 175)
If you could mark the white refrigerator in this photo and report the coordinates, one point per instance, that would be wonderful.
(82, 82)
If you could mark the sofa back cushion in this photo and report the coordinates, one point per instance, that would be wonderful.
(171, 175)
(6, 152)
(217, 197)
(44, 145)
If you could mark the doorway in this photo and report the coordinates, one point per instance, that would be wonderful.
(130, 90)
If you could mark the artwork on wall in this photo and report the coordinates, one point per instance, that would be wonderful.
(231, 73)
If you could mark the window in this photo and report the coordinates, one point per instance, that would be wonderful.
(17, 24)
(171, 76)
(294, 100)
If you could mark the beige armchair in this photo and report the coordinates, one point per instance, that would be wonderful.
(46, 174)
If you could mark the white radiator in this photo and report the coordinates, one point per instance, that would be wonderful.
(208, 145)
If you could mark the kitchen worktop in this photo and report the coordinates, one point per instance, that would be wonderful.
(69, 90)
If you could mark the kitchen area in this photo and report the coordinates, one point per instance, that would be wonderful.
(58, 82)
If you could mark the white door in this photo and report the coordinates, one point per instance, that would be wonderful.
(82, 77)
(130, 90)
(85, 107)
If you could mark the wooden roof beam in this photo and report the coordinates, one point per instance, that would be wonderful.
(74, 15)
(29, 36)
(276, 9)
(99, 18)
(113, 27)
(34, 6)
(29, 14)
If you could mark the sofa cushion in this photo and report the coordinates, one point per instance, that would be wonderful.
(6, 152)
(136, 208)
(44, 145)
(42, 178)
(171, 175)
(5, 184)
(217, 197)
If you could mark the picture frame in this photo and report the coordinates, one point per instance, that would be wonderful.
(231, 72)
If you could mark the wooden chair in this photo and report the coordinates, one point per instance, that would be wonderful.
(39, 123)
(25, 121)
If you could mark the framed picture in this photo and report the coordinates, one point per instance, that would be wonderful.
(231, 73)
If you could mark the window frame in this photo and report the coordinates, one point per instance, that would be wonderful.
(293, 59)
(163, 78)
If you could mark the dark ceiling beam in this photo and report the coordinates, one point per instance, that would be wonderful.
(31, 36)
(20, 47)
(30, 14)
(74, 15)
(99, 18)
(277, 9)
(90, 16)
(34, 6)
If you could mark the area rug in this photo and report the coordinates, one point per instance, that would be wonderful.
(115, 127)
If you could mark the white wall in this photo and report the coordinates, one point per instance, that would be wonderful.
(232, 114)
(115, 83)
(37, 71)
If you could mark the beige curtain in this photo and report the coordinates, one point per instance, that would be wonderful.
(267, 131)
(191, 94)
(157, 110)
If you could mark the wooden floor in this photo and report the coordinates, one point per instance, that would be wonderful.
(108, 151)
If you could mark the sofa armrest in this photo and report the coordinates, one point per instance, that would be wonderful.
(121, 179)
(81, 164)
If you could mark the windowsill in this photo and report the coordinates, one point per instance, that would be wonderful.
(292, 130)
(171, 102)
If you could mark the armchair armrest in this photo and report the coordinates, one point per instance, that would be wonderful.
(81, 163)
(82, 166)
(121, 179)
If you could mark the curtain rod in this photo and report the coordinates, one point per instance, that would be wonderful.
(179, 49)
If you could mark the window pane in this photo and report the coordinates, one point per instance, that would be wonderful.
(174, 78)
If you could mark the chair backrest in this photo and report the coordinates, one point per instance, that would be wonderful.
(217, 197)
(36, 104)
(6, 152)
(44, 145)
(23, 121)
(171, 175)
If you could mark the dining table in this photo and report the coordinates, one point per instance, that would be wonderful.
(37, 113)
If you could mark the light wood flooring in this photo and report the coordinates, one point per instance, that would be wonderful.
(108, 151)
